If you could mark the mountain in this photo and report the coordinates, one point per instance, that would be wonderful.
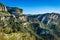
(48, 22)
(45, 18)
(30, 27)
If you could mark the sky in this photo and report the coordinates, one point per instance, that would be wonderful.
(34, 6)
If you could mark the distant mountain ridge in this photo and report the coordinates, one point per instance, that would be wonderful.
(46, 18)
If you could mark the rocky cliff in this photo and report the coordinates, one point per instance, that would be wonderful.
(2, 7)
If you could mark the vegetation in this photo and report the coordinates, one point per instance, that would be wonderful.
(14, 28)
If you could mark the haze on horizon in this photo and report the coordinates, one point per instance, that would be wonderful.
(34, 6)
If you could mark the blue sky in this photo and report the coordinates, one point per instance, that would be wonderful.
(34, 6)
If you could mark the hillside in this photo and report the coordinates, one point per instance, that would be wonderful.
(14, 25)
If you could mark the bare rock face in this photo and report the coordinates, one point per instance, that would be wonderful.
(6, 12)
(2, 7)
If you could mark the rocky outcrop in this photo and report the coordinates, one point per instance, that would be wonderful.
(7, 12)
(2, 7)
(15, 11)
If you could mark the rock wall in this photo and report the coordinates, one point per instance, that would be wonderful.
(2, 7)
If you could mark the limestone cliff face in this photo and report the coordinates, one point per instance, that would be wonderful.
(12, 10)
(2, 7)
(7, 12)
